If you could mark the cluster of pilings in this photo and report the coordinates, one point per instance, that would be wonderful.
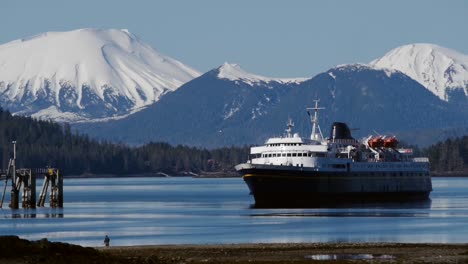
(24, 181)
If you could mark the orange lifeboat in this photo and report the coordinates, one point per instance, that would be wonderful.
(376, 142)
(390, 142)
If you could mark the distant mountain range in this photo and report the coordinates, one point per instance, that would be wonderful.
(85, 74)
(111, 85)
(213, 110)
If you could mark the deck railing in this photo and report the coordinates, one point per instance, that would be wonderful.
(421, 159)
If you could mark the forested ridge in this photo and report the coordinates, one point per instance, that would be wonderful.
(44, 143)
(449, 156)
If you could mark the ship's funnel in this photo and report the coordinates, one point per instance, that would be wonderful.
(340, 131)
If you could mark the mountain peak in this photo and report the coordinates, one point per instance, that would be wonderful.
(235, 72)
(357, 67)
(440, 70)
(352, 66)
(82, 69)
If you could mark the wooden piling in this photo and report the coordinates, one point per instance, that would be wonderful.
(25, 180)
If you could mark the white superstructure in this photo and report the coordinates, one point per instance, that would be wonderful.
(338, 153)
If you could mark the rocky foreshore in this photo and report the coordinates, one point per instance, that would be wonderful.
(16, 250)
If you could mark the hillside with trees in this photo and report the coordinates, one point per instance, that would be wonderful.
(449, 157)
(44, 143)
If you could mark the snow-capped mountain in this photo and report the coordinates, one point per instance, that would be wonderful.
(267, 91)
(213, 111)
(442, 71)
(85, 74)
(234, 72)
(210, 108)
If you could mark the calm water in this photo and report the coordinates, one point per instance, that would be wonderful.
(138, 211)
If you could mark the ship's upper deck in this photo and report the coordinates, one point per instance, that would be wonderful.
(285, 141)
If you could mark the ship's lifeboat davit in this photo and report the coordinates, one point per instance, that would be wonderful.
(376, 142)
(390, 142)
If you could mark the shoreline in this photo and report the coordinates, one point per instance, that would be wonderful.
(16, 250)
(155, 175)
(264, 253)
(201, 176)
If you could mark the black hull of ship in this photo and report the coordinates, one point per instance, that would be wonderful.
(295, 187)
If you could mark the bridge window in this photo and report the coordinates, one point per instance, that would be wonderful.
(294, 154)
(299, 154)
(338, 166)
(289, 155)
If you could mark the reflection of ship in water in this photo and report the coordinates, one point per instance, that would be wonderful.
(294, 171)
(355, 204)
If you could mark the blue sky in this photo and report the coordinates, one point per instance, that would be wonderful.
(271, 38)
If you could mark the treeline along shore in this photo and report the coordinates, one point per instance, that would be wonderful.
(45, 143)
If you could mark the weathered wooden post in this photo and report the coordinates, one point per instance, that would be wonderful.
(32, 189)
(59, 189)
(42, 195)
(14, 202)
(29, 188)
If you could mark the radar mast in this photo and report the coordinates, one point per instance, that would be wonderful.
(290, 125)
(314, 119)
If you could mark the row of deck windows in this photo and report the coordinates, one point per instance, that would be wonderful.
(284, 144)
(274, 155)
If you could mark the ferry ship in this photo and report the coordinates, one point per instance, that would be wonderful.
(294, 171)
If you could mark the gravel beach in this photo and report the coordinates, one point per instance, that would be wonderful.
(16, 250)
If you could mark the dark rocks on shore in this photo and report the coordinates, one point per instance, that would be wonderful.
(16, 250)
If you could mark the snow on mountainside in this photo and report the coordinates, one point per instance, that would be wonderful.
(222, 112)
(85, 74)
(234, 72)
(266, 95)
(442, 71)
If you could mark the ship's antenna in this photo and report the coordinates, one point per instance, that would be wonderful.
(315, 126)
(290, 125)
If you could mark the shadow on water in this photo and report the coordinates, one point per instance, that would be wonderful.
(342, 214)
